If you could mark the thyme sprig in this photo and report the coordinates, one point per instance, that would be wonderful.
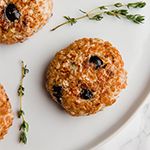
(24, 127)
(98, 13)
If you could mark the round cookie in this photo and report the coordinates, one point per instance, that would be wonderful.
(86, 76)
(6, 116)
(20, 19)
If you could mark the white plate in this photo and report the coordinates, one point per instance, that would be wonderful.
(50, 127)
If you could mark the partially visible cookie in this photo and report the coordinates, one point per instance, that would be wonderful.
(20, 19)
(6, 116)
(86, 76)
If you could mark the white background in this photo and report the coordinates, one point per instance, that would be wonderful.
(135, 136)
(50, 126)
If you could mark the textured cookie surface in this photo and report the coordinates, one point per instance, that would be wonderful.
(6, 116)
(19, 19)
(86, 76)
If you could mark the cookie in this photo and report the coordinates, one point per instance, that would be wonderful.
(6, 116)
(20, 19)
(86, 76)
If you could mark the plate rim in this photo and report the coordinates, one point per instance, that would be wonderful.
(123, 125)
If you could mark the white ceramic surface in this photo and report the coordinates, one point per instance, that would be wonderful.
(50, 127)
(135, 136)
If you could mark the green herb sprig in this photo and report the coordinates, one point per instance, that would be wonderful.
(98, 13)
(24, 127)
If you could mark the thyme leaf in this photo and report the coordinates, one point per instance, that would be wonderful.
(98, 13)
(24, 127)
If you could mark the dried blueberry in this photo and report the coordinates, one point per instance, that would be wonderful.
(86, 94)
(97, 61)
(57, 92)
(11, 12)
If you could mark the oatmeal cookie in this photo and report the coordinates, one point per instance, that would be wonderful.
(20, 19)
(86, 76)
(6, 116)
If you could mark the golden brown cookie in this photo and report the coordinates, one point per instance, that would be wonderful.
(19, 19)
(6, 116)
(86, 76)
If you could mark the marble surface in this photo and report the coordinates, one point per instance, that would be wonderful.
(136, 135)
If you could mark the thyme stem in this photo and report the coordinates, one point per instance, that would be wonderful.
(24, 127)
(101, 10)
(67, 22)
